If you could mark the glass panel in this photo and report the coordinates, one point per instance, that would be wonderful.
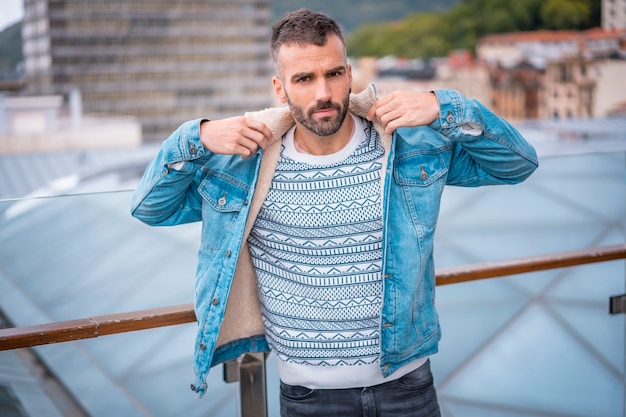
(542, 343)
(528, 345)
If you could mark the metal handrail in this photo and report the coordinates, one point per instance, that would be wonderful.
(91, 327)
(473, 272)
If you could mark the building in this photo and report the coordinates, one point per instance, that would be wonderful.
(541, 47)
(35, 124)
(610, 91)
(556, 74)
(614, 14)
(569, 89)
(162, 61)
(600, 43)
(458, 71)
(536, 48)
(461, 71)
(515, 91)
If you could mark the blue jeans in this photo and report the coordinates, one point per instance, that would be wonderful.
(412, 395)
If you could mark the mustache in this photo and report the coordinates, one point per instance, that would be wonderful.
(323, 105)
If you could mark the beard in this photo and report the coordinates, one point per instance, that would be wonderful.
(326, 126)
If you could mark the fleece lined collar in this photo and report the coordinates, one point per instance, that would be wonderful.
(279, 119)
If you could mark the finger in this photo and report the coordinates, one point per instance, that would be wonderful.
(390, 113)
(392, 126)
(371, 114)
(377, 108)
(258, 132)
(246, 147)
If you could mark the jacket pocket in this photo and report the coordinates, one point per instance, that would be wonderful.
(223, 199)
(422, 176)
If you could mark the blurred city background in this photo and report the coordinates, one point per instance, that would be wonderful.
(89, 89)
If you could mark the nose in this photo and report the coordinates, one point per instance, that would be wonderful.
(322, 93)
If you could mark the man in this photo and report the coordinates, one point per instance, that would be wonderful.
(318, 223)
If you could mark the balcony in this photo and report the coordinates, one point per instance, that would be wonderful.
(539, 343)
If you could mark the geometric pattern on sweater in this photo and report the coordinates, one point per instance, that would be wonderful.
(317, 251)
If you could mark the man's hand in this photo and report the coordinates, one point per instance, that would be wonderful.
(235, 136)
(404, 109)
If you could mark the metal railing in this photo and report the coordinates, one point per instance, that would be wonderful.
(249, 369)
(96, 326)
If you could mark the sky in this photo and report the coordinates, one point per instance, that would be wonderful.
(10, 12)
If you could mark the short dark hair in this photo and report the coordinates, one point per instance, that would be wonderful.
(303, 27)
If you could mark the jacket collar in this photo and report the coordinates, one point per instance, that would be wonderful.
(279, 119)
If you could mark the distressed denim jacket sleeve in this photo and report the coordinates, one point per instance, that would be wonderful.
(487, 149)
(165, 195)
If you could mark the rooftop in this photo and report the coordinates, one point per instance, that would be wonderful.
(72, 250)
(553, 36)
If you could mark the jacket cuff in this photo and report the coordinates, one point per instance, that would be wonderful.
(189, 143)
(184, 145)
(455, 111)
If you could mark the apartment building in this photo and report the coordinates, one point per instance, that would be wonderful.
(536, 48)
(515, 92)
(161, 61)
(569, 89)
(613, 14)
(556, 74)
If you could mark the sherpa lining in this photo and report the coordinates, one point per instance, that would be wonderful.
(243, 312)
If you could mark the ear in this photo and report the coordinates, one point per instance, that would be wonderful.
(350, 76)
(279, 90)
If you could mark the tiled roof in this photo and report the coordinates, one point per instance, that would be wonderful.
(548, 36)
(534, 36)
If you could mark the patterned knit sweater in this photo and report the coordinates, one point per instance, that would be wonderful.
(317, 250)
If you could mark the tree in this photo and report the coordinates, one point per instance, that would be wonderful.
(369, 40)
(566, 14)
(427, 35)
(424, 35)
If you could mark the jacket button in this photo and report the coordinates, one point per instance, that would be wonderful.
(202, 346)
(193, 387)
(228, 253)
(192, 149)
(423, 174)
(222, 200)
(215, 301)
(450, 118)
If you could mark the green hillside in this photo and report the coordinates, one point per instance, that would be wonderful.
(351, 14)
(435, 34)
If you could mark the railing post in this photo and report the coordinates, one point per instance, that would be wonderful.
(617, 304)
(249, 370)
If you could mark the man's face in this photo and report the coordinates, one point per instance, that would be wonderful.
(315, 81)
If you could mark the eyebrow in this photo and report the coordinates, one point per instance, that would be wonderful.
(308, 74)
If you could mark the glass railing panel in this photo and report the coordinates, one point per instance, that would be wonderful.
(77, 256)
(518, 346)
(541, 343)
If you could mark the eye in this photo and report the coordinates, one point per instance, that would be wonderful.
(336, 73)
(303, 79)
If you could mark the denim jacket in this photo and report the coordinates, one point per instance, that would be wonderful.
(467, 145)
